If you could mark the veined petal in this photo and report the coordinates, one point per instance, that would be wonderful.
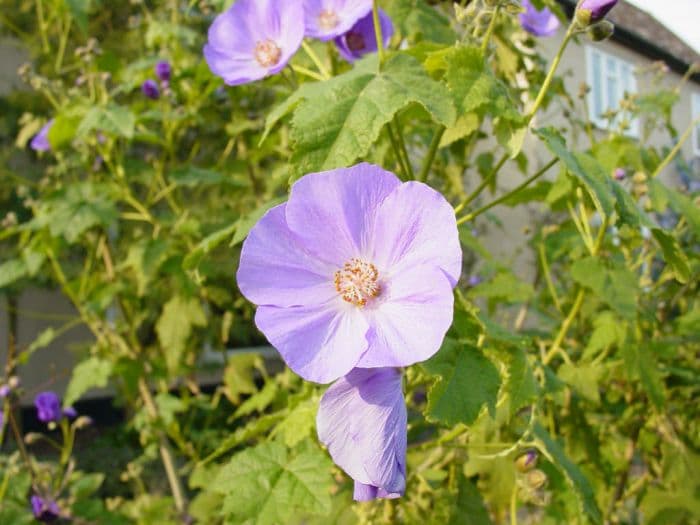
(362, 421)
(275, 270)
(333, 211)
(414, 226)
(319, 342)
(346, 13)
(410, 321)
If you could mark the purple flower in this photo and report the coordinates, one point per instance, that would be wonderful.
(163, 71)
(40, 142)
(70, 412)
(594, 10)
(48, 407)
(150, 89)
(362, 421)
(361, 40)
(326, 19)
(474, 280)
(5, 391)
(254, 39)
(619, 173)
(355, 270)
(45, 510)
(539, 23)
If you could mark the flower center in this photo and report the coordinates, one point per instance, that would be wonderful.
(355, 41)
(328, 19)
(267, 53)
(356, 282)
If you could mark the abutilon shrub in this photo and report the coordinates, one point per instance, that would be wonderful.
(286, 230)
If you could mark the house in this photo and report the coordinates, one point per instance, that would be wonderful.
(610, 68)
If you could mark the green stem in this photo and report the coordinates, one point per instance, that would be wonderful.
(42, 26)
(428, 161)
(62, 44)
(676, 148)
(316, 60)
(550, 75)
(307, 72)
(489, 31)
(402, 146)
(378, 32)
(397, 151)
(508, 195)
(514, 505)
(487, 180)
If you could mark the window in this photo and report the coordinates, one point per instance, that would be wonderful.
(696, 131)
(610, 79)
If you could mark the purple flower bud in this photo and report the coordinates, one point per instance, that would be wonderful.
(619, 173)
(40, 142)
(163, 71)
(527, 461)
(70, 413)
(594, 10)
(474, 280)
(45, 510)
(150, 89)
(361, 40)
(48, 407)
(4, 391)
(538, 23)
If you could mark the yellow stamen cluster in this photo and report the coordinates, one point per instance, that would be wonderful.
(357, 282)
(328, 19)
(267, 53)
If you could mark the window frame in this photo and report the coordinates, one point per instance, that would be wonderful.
(626, 81)
(695, 114)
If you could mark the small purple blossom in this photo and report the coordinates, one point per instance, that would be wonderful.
(70, 412)
(361, 40)
(538, 23)
(356, 269)
(44, 509)
(474, 280)
(327, 19)
(48, 407)
(5, 391)
(596, 10)
(163, 71)
(40, 142)
(619, 174)
(150, 89)
(254, 39)
(362, 421)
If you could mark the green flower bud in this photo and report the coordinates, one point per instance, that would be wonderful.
(601, 31)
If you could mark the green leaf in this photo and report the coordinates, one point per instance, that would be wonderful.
(469, 508)
(504, 286)
(520, 385)
(91, 373)
(238, 375)
(299, 424)
(680, 203)
(416, 19)
(583, 168)
(608, 329)
(640, 363)
(583, 378)
(617, 286)
(117, 120)
(192, 176)
(175, 325)
(207, 244)
(258, 401)
(79, 9)
(465, 381)
(265, 486)
(573, 474)
(11, 271)
(62, 130)
(341, 123)
(245, 223)
(673, 254)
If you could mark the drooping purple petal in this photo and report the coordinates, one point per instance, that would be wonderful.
(361, 40)
(254, 39)
(362, 420)
(411, 318)
(48, 407)
(414, 226)
(44, 510)
(538, 23)
(276, 270)
(40, 142)
(597, 8)
(333, 212)
(327, 19)
(318, 342)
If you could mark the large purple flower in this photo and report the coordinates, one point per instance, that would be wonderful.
(361, 40)
(539, 23)
(355, 270)
(254, 39)
(44, 509)
(362, 421)
(326, 19)
(596, 9)
(40, 142)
